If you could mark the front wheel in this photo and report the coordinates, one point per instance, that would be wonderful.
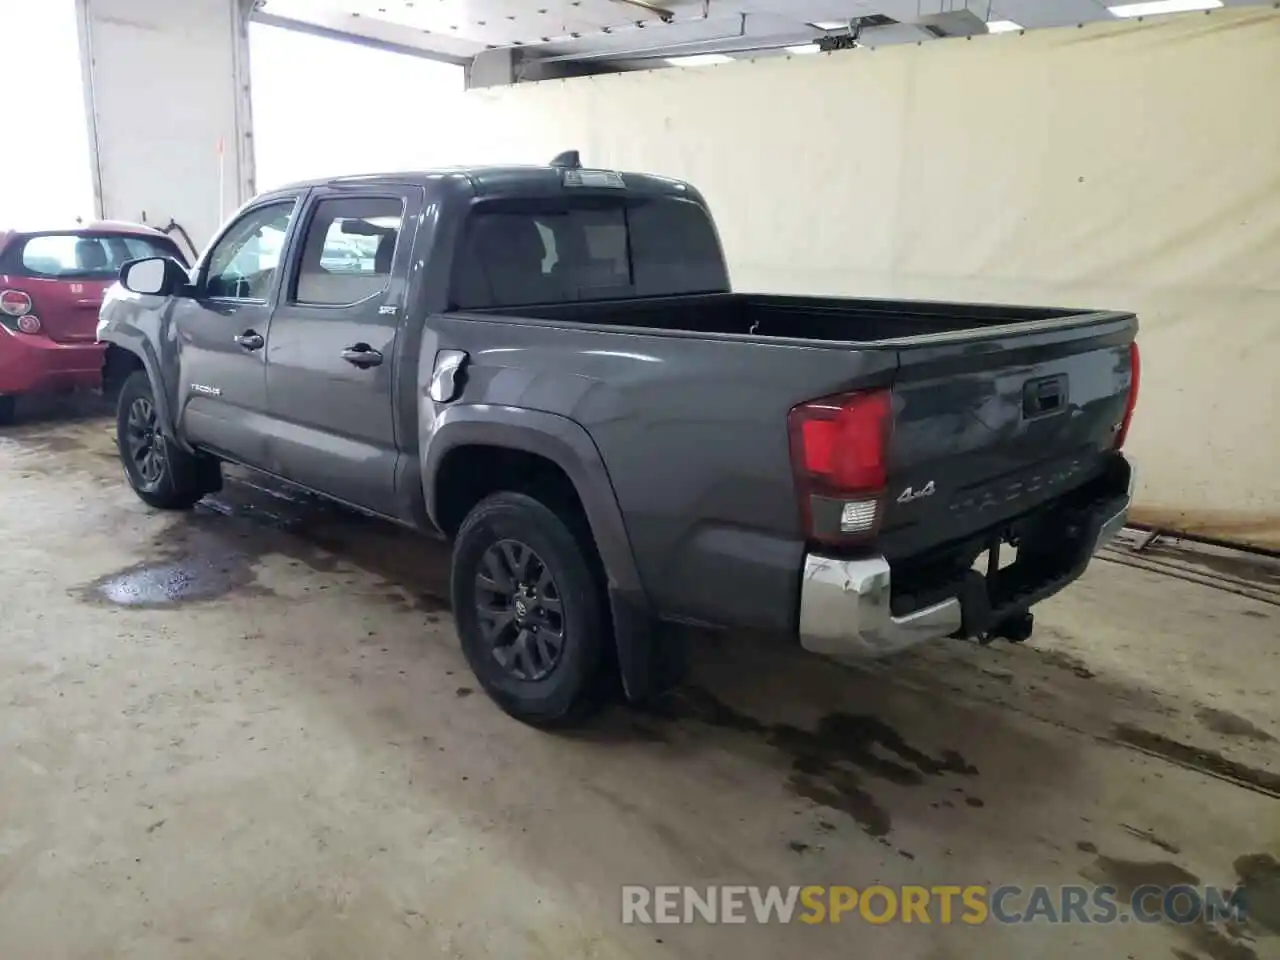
(160, 473)
(528, 610)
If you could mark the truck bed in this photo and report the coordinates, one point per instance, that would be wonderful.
(998, 412)
(834, 319)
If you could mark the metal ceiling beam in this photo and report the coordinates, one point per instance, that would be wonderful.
(653, 50)
(663, 14)
(360, 40)
(658, 27)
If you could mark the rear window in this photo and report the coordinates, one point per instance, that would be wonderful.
(520, 253)
(78, 256)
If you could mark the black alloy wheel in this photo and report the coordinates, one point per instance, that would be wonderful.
(161, 472)
(144, 442)
(520, 611)
(530, 605)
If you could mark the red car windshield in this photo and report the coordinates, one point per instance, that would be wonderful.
(80, 256)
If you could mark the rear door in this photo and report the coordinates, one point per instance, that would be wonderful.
(66, 274)
(331, 352)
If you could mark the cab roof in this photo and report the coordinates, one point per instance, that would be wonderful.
(498, 179)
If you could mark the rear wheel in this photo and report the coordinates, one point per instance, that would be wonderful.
(8, 406)
(529, 610)
(160, 473)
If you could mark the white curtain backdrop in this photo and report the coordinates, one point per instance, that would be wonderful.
(1130, 166)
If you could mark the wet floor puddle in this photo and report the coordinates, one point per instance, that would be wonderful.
(168, 584)
(1232, 725)
(1196, 758)
(213, 551)
(190, 566)
(1257, 891)
(830, 764)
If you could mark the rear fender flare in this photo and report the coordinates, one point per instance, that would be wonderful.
(567, 444)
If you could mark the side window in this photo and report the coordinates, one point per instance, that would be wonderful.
(348, 251)
(244, 262)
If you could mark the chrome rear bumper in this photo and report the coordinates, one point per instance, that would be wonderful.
(845, 604)
(844, 611)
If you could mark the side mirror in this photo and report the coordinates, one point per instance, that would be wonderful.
(154, 276)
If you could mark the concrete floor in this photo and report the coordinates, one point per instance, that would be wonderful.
(249, 732)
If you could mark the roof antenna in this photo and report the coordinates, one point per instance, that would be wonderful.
(570, 159)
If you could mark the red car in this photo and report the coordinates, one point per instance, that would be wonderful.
(51, 286)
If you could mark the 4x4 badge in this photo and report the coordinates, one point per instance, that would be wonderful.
(909, 494)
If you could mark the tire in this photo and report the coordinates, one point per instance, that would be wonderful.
(161, 474)
(545, 685)
(8, 407)
(111, 391)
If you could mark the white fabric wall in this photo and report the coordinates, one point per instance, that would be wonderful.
(1130, 166)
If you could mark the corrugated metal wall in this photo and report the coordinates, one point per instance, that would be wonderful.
(167, 92)
(1132, 166)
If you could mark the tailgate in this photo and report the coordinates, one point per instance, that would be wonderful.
(990, 424)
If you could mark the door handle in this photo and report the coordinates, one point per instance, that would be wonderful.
(1044, 396)
(250, 340)
(362, 355)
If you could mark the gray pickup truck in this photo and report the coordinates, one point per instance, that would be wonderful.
(547, 364)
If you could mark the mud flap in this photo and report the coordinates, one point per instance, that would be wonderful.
(651, 659)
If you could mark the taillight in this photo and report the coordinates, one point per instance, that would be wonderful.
(1135, 377)
(839, 447)
(29, 323)
(15, 303)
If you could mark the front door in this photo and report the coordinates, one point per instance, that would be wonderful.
(222, 335)
(331, 353)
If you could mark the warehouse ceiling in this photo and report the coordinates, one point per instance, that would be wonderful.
(608, 35)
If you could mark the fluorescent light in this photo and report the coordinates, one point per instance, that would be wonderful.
(830, 24)
(699, 60)
(805, 48)
(1156, 7)
(1003, 26)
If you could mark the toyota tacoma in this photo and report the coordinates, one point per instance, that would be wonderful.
(548, 365)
